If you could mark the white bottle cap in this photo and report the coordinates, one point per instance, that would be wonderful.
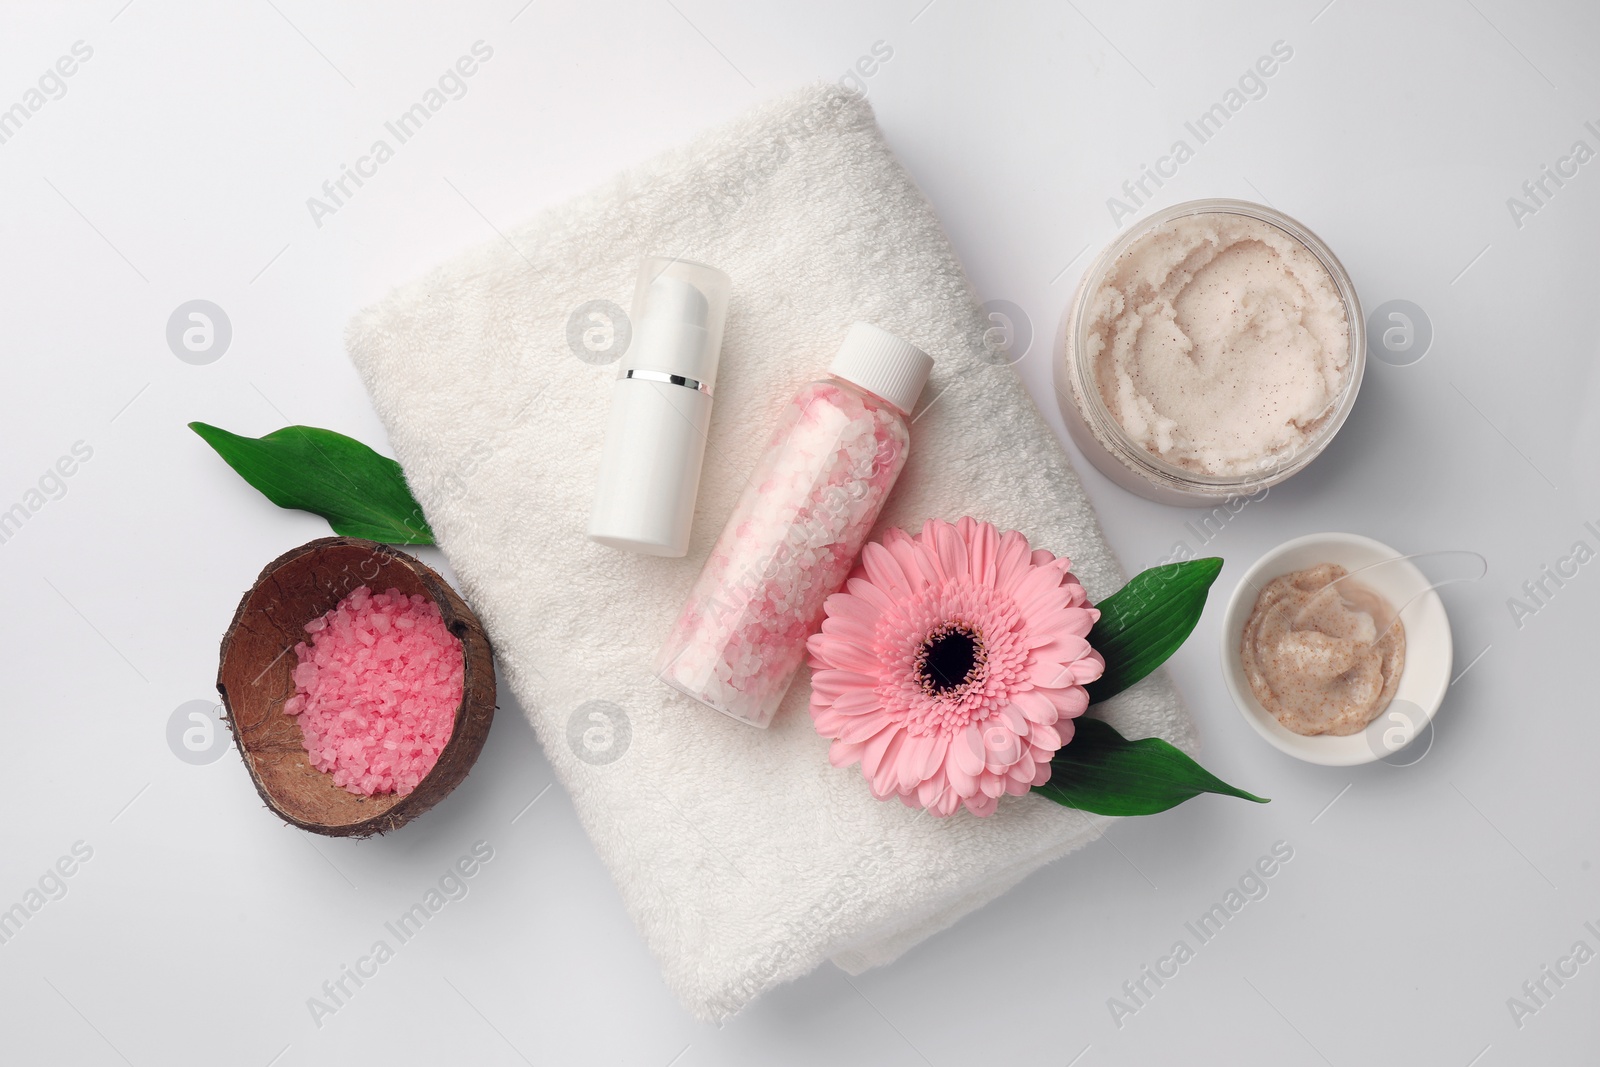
(678, 310)
(883, 365)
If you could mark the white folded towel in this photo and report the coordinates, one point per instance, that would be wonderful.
(744, 857)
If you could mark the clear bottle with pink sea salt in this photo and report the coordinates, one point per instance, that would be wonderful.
(794, 535)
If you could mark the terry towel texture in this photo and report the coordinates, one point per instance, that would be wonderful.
(743, 857)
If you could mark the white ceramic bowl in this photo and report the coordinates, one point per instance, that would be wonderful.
(1423, 681)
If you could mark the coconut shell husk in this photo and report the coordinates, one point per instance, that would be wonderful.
(256, 678)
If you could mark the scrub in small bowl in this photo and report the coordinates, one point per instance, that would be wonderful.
(1336, 649)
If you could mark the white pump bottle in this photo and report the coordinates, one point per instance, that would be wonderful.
(661, 409)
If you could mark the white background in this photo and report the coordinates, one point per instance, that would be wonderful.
(177, 166)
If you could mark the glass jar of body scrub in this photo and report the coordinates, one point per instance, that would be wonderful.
(1210, 352)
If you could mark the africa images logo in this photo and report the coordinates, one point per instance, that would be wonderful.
(451, 85)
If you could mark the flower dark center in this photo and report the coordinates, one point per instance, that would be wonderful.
(951, 656)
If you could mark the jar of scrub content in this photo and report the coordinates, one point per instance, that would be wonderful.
(1210, 352)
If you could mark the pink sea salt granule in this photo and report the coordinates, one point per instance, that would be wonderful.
(376, 690)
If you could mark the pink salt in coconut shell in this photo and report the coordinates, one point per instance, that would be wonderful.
(376, 690)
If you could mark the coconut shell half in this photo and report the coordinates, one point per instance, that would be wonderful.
(256, 678)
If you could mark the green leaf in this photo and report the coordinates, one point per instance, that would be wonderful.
(359, 492)
(1101, 771)
(1146, 620)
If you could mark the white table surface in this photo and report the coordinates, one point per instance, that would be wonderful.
(176, 166)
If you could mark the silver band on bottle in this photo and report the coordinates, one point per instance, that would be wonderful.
(669, 379)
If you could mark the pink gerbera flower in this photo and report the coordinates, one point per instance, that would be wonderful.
(953, 667)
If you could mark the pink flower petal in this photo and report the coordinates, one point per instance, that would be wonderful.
(1022, 770)
(951, 550)
(851, 628)
(961, 781)
(1045, 737)
(1012, 563)
(881, 788)
(856, 702)
(1065, 729)
(1053, 637)
(1038, 582)
(844, 603)
(834, 683)
(1015, 721)
(883, 570)
(914, 561)
(918, 751)
(1039, 708)
(845, 655)
(984, 553)
(967, 751)
(1089, 668)
(877, 746)
(1049, 674)
(841, 754)
(1070, 703)
(1043, 605)
(886, 777)
(864, 727)
(927, 759)
(1074, 589)
(875, 597)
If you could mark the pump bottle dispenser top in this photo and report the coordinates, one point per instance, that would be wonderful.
(661, 409)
